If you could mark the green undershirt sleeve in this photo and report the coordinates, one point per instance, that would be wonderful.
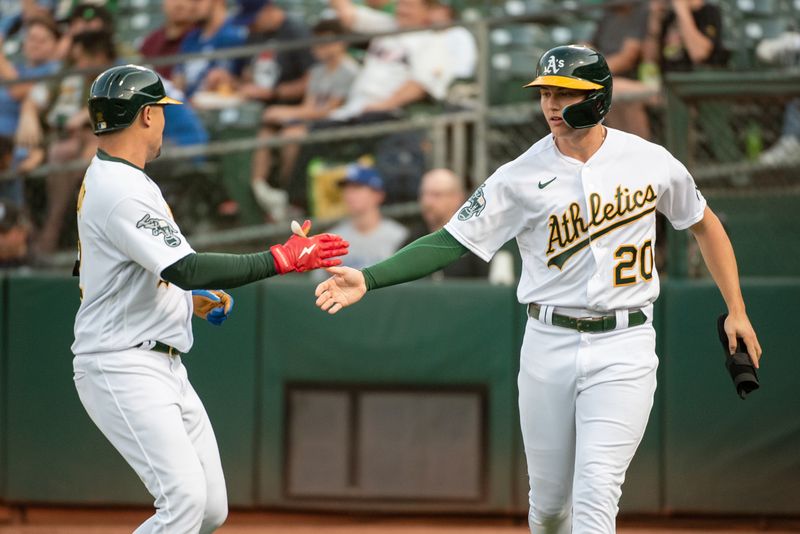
(416, 260)
(210, 270)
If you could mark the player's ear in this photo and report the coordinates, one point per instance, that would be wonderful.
(146, 116)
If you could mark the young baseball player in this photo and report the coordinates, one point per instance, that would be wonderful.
(581, 203)
(140, 281)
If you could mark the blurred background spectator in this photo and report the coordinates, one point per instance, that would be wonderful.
(62, 109)
(398, 69)
(84, 17)
(686, 35)
(620, 38)
(783, 50)
(14, 14)
(462, 50)
(38, 50)
(214, 32)
(179, 20)
(274, 77)
(441, 194)
(329, 81)
(372, 236)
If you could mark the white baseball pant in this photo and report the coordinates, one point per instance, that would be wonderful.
(584, 401)
(143, 403)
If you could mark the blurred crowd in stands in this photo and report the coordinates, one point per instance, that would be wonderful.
(299, 90)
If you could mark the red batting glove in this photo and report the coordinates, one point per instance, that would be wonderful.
(301, 253)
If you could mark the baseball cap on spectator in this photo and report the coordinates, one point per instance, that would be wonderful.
(248, 9)
(91, 12)
(361, 175)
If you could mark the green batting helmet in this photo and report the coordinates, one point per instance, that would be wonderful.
(117, 95)
(577, 67)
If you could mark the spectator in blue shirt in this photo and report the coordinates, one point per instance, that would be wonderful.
(41, 39)
(215, 32)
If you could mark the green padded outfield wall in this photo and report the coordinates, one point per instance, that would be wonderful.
(54, 452)
(705, 450)
(756, 223)
(722, 454)
(421, 334)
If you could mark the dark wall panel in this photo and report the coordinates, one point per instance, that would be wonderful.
(421, 334)
(723, 454)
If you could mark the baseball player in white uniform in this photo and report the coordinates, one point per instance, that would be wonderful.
(136, 271)
(581, 204)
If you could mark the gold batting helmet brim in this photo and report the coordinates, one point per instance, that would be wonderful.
(564, 81)
(167, 100)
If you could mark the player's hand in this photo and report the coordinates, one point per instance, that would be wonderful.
(302, 253)
(344, 288)
(213, 305)
(738, 325)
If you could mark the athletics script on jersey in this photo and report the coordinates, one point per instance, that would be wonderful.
(160, 227)
(571, 232)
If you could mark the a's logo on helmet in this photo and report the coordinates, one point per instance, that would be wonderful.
(553, 65)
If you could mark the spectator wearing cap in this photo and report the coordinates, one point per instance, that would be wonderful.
(274, 76)
(328, 84)
(214, 32)
(179, 20)
(372, 236)
(398, 69)
(85, 17)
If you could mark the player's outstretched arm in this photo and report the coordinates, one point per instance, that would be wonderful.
(300, 253)
(424, 256)
(719, 257)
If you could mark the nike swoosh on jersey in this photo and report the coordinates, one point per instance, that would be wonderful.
(307, 250)
(543, 185)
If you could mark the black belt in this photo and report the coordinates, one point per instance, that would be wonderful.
(160, 347)
(593, 325)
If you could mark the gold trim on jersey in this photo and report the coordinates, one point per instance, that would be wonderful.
(560, 259)
(571, 226)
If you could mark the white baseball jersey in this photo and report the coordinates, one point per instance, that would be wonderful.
(127, 237)
(585, 231)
